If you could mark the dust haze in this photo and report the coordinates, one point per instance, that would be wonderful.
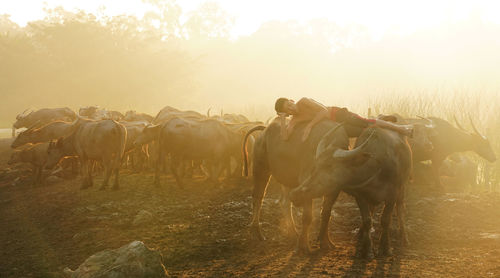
(189, 61)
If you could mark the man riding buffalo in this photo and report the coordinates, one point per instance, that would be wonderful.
(307, 109)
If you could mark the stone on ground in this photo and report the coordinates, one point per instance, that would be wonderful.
(133, 260)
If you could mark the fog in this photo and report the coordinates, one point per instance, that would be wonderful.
(76, 59)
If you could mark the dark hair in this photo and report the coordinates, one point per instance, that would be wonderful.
(279, 105)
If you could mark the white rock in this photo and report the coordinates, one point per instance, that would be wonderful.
(133, 260)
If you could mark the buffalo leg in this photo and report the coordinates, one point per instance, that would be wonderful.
(366, 250)
(436, 164)
(303, 241)
(159, 164)
(261, 176)
(41, 177)
(238, 169)
(74, 166)
(400, 210)
(261, 180)
(175, 164)
(218, 169)
(37, 175)
(90, 170)
(324, 238)
(107, 173)
(213, 169)
(384, 248)
(85, 165)
(116, 171)
(287, 211)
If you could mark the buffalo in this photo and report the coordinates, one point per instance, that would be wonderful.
(168, 113)
(96, 113)
(191, 140)
(448, 139)
(376, 171)
(45, 133)
(36, 155)
(92, 141)
(41, 117)
(290, 162)
(133, 116)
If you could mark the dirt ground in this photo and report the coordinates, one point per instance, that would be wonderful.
(202, 230)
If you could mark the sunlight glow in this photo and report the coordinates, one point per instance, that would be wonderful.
(380, 17)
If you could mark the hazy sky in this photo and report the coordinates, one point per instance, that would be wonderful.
(395, 16)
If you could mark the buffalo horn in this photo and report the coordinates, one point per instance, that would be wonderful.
(474, 127)
(458, 124)
(346, 154)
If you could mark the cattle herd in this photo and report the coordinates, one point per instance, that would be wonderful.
(374, 168)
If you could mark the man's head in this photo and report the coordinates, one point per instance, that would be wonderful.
(284, 105)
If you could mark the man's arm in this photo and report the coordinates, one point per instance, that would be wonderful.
(311, 105)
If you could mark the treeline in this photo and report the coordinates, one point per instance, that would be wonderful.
(189, 60)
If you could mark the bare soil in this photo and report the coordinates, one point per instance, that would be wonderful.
(202, 231)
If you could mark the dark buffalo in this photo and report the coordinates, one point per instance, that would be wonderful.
(191, 140)
(42, 116)
(290, 162)
(138, 154)
(229, 118)
(133, 116)
(376, 171)
(50, 131)
(459, 170)
(92, 141)
(96, 113)
(168, 113)
(36, 155)
(448, 140)
(240, 129)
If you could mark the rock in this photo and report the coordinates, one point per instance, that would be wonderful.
(133, 260)
(142, 217)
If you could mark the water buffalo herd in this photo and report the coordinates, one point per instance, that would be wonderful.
(374, 170)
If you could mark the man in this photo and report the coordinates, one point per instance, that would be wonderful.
(307, 109)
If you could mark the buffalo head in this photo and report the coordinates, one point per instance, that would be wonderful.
(333, 168)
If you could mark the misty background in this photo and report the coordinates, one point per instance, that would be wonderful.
(189, 60)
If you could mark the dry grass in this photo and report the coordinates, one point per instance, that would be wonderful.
(483, 107)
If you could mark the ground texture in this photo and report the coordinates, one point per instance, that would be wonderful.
(202, 230)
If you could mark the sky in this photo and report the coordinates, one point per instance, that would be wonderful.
(380, 17)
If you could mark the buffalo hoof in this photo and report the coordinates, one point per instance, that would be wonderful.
(326, 244)
(384, 252)
(365, 250)
(84, 186)
(367, 255)
(102, 188)
(304, 249)
(116, 187)
(257, 232)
